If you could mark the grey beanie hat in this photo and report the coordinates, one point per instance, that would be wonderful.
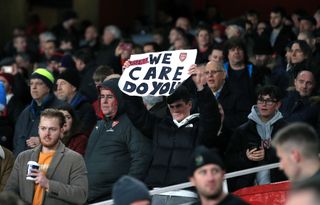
(128, 190)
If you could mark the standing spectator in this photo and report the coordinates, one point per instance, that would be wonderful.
(26, 129)
(67, 26)
(110, 39)
(72, 137)
(280, 34)
(204, 45)
(250, 145)
(86, 66)
(242, 78)
(207, 175)
(175, 136)
(68, 83)
(99, 76)
(115, 146)
(61, 177)
(297, 147)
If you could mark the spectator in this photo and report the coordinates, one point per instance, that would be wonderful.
(242, 78)
(297, 106)
(300, 56)
(307, 24)
(62, 175)
(204, 45)
(207, 175)
(110, 40)
(99, 76)
(216, 55)
(280, 34)
(130, 191)
(306, 192)
(115, 146)
(297, 146)
(250, 145)
(86, 66)
(26, 128)
(175, 136)
(72, 136)
(12, 110)
(68, 83)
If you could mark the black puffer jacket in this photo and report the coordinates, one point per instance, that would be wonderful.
(172, 145)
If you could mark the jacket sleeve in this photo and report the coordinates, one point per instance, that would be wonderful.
(13, 180)
(140, 150)
(139, 115)
(210, 118)
(76, 191)
(236, 158)
(6, 167)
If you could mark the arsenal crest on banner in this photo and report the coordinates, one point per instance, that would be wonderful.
(182, 56)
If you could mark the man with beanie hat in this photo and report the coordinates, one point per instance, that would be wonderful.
(130, 191)
(207, 175)
(115, 147)
(26, 129)
(68, 90)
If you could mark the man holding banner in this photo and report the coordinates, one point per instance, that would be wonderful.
(175, 136)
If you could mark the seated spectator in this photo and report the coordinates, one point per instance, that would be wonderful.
(175, 136)
(115, 147)
(297, 106)
(250, 145)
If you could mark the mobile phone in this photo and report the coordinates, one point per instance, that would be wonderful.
(7, 69)
(252, 145)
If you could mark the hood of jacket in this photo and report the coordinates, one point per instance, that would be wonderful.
(264, 128)
(112, 85)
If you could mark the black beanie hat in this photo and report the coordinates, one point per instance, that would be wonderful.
(44, 75)
(128, 190)
(203, 156)
(71, 76)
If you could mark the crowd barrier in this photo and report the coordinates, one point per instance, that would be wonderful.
(241, 193)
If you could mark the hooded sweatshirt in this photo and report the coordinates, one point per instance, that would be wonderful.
(264, 130)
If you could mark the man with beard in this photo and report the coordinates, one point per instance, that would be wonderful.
(207, 174)
(61, 174)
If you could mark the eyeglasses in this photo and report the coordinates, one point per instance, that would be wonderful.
(268, 101)
(213, 72)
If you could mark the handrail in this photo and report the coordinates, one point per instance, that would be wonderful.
(188, 184)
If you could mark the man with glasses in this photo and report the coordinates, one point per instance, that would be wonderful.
(250, 145)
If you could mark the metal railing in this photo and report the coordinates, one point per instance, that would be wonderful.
(188, 184)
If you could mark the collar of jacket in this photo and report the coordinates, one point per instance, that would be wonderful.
(186, 120)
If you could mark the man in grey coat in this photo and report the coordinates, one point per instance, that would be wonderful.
(61, 177)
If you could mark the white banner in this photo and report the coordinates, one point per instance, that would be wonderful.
(156, 74)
